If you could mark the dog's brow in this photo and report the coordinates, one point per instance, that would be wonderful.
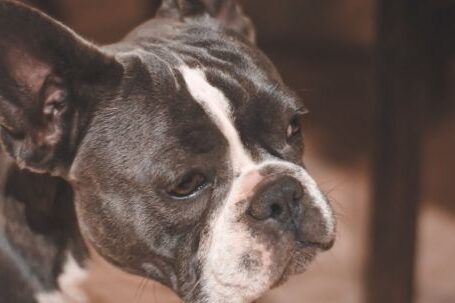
(217, 106)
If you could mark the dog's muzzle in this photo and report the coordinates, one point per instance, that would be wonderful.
(283, 201)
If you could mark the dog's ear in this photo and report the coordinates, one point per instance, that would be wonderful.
(40, 63)
(227, 12)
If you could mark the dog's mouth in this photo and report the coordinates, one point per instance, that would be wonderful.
(255, 269)
(300, 258)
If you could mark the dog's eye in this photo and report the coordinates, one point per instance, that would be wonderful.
(295, 127)
(187, 186)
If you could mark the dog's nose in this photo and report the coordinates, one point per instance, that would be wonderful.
(278, 198)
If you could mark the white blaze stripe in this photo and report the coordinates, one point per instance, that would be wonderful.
(217, 107)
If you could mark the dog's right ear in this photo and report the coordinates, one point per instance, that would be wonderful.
(228, 13)
(42, 64)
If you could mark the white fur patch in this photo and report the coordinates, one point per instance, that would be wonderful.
(217, 106)
(51, 297)
(229, 241)
(69, 282)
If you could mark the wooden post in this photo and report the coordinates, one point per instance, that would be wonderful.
(402, 67)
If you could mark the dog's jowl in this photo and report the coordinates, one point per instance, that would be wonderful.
(175, 153)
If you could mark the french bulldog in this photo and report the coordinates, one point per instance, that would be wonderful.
(175, 153)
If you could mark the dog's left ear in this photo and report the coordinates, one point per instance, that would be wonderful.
(44, 66)
(227, 12)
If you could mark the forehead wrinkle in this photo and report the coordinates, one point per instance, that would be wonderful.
(217, 106)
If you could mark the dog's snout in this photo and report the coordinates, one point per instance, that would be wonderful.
(278, 198)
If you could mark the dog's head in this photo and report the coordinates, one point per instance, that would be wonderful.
(182, 144)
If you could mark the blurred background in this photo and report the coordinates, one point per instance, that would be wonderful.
(378, 78)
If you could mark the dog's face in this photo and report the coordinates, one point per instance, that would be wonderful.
(182, 144)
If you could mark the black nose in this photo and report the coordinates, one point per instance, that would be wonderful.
(278, 198)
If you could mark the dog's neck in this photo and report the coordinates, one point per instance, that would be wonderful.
(38, 226)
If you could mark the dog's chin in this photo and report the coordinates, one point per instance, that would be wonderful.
(301, 257)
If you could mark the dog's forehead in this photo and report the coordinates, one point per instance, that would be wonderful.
(156, 109)
(233, 64)
(156, 54)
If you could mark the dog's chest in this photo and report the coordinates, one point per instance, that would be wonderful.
(70, 283)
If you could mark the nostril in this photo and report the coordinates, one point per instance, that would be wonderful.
(298, 195)
(278, 198)
(276, 210)
(296, 200)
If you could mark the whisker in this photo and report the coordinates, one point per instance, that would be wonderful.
(136, 297)
(195, 285)
(154, 292)
(143, 289)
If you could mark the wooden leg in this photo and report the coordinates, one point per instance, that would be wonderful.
(402, 65)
